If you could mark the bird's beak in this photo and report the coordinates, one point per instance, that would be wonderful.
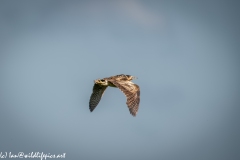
(135, 77)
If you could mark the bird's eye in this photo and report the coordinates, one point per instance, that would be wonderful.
(102, 80)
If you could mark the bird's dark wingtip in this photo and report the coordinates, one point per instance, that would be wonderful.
(133, 114)
(91, 109)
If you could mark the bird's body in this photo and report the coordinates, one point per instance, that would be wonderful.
(123, 82)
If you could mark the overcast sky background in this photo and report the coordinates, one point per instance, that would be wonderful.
(184, 53)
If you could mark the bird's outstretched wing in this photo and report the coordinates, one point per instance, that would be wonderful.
(96, 96)
(131, 91)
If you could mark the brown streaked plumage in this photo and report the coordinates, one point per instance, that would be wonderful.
(123, 82)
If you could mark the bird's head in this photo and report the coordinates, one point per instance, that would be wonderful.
(101, 82)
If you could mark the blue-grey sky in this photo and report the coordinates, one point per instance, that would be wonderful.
(184, 53)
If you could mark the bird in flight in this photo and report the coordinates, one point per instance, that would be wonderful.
(123, 82)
